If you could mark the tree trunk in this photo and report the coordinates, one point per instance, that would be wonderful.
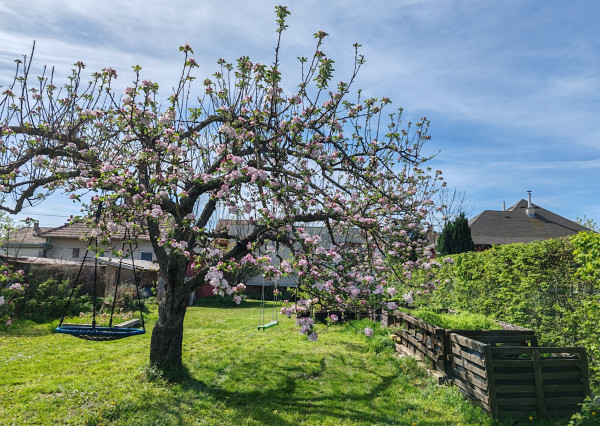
(167, 334)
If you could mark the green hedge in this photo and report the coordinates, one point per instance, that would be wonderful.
(549, 286)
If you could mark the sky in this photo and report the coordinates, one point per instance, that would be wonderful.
(511, 87)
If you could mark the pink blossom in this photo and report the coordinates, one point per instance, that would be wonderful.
(368, 331)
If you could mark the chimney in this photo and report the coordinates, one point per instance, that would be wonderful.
(530, 210)
(36, 228)
(503, 206)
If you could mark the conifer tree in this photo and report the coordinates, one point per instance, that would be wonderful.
(455, 237)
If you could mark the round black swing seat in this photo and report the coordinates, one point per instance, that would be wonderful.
(99, 334)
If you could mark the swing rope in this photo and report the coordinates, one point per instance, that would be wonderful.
(262, 324)
(92, 332)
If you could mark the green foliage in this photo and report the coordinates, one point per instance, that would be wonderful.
(538, 285)
(47, 300)
(455, 237)
(589, 414)
(589, 223)
(127, 301)
(6, 226)
(456, 321)
(587, 255)
(380, 341)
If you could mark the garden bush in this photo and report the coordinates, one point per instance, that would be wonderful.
(47, 300)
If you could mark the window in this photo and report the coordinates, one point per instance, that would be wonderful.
(75, 254)
(146, 255)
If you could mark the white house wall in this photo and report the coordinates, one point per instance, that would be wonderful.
(62, 248)
(22, 251)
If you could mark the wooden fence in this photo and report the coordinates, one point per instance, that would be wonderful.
(432, 343)
(519, 381)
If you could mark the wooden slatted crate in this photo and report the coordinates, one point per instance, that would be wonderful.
(432, 344)
(519, 381)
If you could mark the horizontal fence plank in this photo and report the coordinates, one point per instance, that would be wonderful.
(565, 375)
(476, 368)
(508, 339)
(576, 387)
(560, 362)
(466, 342)
(521, 376)
(542, 350)
(475, 394)
(481, 385)
(420, 323)
(458, 353)
(512, 363)
(514, 388)
(507, 401)
(422, 347)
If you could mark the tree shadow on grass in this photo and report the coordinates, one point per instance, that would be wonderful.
(286, 396)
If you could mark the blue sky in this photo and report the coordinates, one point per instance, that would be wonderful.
(512, 87)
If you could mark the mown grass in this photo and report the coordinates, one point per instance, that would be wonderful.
(235, 374)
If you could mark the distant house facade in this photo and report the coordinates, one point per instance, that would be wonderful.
(70, 242)
(63, 249)
(242, 227)
(25, 242)
(523, 222)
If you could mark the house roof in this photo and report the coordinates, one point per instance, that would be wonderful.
(78, 230)
(515, 226)
(144, 265)
(27, 237)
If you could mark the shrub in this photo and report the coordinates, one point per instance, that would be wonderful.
(48, 300)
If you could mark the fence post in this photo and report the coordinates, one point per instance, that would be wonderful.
(491, 381)
(539, 384)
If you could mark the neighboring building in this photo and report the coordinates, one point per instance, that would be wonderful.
(62, 249)
(26, 242)
(523, 222)
(242, 227)
(70, 242)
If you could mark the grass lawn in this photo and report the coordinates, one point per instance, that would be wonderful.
(235, 375)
